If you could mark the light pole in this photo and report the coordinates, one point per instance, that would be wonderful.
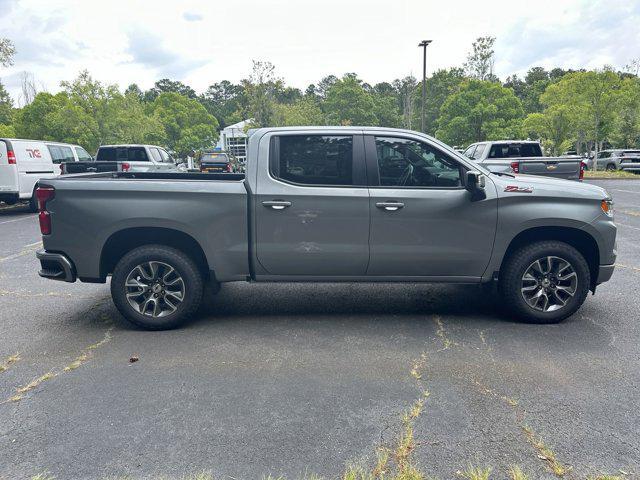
(424, 45)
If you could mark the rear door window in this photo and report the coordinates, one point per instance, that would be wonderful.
(313, 159)
(61, 154)
(469, 151)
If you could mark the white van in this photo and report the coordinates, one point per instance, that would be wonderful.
(24, 162)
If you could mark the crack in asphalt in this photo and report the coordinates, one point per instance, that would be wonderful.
(84, 356)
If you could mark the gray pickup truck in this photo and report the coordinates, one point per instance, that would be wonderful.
(525, 156)
(328, 204)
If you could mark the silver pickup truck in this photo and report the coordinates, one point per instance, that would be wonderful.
(524, 156)
(328, 204)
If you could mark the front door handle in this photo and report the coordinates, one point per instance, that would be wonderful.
(390, 206)
(276, 204)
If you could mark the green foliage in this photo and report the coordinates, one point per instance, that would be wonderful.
(626, 126)
(480, 110)
(479, 64)
(347, 103)
(187, 124)
(7, 131)
(303, 112)
(6, 106)
(7, 51)
(440, 86)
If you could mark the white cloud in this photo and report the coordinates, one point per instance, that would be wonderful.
(200, 42)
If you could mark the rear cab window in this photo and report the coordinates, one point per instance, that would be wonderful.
(313, 159)
(122, 154)
(515, 150)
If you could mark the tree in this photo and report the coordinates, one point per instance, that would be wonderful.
(187, 124)
(6, 106)
(135, 90)
(554, 127)
(223, 100)
(52, 117)
(592, 96)
(626, 127)
(7, 51)
(260, 89)
(480, 110)
(347, 103)
(480, 60)
(440, 86)
(166, 85)
(406, 88)
(303, 112)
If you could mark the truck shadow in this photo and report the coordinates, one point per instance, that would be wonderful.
(348, 298)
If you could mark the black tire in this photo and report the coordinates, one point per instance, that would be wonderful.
(611, 167)
(519, 262)
(184, 267)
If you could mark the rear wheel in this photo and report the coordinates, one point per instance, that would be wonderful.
(611, 167)
(156, 287)
(545, 282)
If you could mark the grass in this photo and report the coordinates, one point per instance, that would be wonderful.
(516, 473)
(475, 473)
(4, 366)
(610, 174)
(545, 453)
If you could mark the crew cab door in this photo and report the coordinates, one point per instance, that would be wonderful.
(312, 205)
(424, 222)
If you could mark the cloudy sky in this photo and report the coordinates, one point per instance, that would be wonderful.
(201, 42)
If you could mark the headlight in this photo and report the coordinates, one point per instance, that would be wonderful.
(607, 206)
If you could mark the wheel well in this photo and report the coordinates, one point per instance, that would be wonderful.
(578, 239)
(122, 242)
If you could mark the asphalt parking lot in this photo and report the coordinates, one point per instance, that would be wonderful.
(294, 379)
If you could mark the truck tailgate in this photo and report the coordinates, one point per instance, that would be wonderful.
(567, 168)
(90, 167)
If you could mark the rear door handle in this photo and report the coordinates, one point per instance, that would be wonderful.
(276, 204)
(390, 206)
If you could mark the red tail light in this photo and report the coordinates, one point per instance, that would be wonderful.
(11, 157)
(125, 166)
(43, 195)
(515, 166)
(581, 170)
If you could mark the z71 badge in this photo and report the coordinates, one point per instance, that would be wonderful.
(517, 189)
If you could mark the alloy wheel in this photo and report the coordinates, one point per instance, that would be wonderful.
(549, 283)
(155, 289)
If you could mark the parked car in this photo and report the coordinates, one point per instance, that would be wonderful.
(128, 158)
(614, 159)
(524, 156)
(24, 162)
(329, 204)
(218, 162)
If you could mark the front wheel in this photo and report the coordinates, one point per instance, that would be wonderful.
(611, 167)
(545, 282)
(156, 287)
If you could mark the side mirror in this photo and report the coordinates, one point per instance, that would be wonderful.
(475, 181)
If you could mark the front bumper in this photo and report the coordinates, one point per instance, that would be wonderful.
(604, 273)
(56, 266)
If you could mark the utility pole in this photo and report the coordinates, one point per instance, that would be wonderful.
(424, 45)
